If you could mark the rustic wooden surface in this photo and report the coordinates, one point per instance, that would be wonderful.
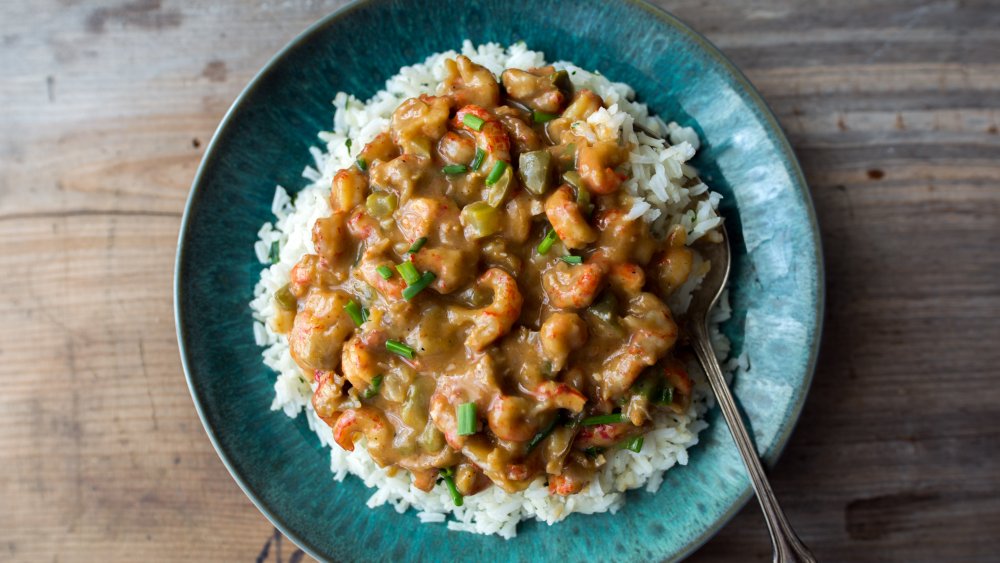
(105, 110)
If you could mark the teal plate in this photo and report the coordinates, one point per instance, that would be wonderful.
(264, 140)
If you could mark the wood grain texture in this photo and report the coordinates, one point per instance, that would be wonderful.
(106, 107)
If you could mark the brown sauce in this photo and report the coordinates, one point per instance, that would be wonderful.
(462, 196)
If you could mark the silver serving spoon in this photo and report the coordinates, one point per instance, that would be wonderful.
(787, 546)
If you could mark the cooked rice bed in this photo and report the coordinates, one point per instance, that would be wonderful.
(657, 175)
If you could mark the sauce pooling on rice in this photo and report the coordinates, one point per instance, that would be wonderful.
(481, 308)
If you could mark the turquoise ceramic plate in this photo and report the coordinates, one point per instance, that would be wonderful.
(264, 140)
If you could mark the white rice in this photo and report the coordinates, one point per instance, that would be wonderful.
(658, 171)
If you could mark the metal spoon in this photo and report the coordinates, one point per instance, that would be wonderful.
(787, 546)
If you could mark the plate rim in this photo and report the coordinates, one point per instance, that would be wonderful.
(798, 178)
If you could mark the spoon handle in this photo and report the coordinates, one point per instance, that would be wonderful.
(787, 546)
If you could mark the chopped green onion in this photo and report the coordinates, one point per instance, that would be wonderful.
(274, 254)
(453, 169)
(466, 413)
(537, 439)
(417, 245)
(347, 143)
(645, 386)
(666, 396)
(604, 419)
(373, 387)
(542, 117)
(448, 476)
(384, 271)
(473, 122)
(478, 160)
(571, 259)
(285, 299)
(498, 170)
(550, 238)
(397, 347)
(635, 444)
(409, 272)
(355, 312)
(413, 289)
(362, 163)
(593, 451)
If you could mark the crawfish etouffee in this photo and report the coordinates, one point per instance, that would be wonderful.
(483, 305)
(479, 307)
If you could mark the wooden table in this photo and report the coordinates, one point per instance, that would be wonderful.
(105, 111)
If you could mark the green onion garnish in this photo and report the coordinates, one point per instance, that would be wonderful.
(373, 387)
(273, 254)
(571, 259)
(448, 476)
(466, 413)
(347, 143)
(542, 117)
(355, 312)
(478, 160)
(496, 173)
(645, 387)
(635, 444)
(537, 439)
(397, 347)
(384, 271)
(362, 163)
(666, 396)
(550, 238)
(453, 169)
(410, 291)
(417, 245)
(409, 272)
(593, 451)
(473, 122)
(604, 419)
